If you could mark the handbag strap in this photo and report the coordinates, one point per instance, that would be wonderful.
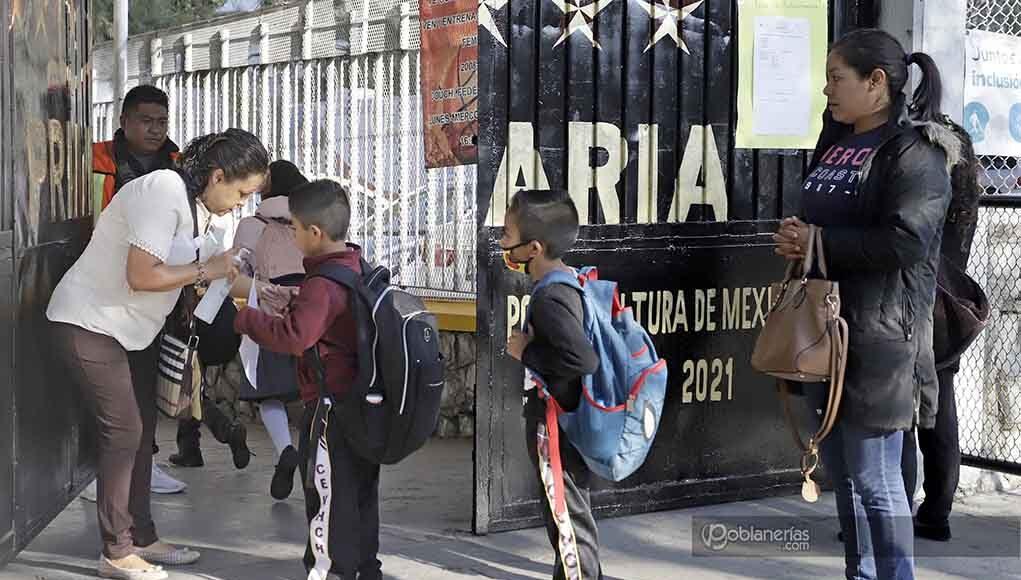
(820, 253)
(814, 255)
(838, 332)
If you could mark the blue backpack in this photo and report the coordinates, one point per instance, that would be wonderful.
(622, 402)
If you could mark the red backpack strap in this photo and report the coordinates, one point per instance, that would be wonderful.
(553, 432)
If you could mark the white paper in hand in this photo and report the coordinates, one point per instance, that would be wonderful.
(212, 301)
(249, 351)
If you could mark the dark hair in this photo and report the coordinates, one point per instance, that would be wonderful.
(548, 217)
(868, 49)
(238, 153)
(323, 203)
(284, 177)
(144, 94)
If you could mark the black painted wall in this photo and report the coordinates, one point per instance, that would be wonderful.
(554, 107)
(44, 224)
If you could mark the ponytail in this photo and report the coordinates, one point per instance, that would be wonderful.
(928, 96)
(868, 49)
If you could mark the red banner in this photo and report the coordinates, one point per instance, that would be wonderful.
(450, 89)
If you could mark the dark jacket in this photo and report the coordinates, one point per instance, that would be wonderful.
(319, 313)
(886, 263)
(958, 233)
(559, 352)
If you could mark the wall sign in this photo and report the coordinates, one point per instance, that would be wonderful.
(992, 93)
(450, 88)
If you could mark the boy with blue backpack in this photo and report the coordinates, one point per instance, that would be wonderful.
(596, 386)
(540, 227)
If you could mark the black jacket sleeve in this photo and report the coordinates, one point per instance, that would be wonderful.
(911, 212)
(559, 351)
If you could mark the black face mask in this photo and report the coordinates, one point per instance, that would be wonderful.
(512, 264)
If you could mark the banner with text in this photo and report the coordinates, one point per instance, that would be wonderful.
(992, 93)
(450, 89)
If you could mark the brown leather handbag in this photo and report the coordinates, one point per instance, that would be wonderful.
(804, 339)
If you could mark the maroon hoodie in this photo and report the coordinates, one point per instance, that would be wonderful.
(319, 313)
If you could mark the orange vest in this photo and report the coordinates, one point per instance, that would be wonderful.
(104, 175)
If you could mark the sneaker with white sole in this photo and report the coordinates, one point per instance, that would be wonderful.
(107, 569)
(176, 557)
(89, 493)
(163, 483)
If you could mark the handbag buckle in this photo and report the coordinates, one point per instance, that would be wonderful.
(833, 302)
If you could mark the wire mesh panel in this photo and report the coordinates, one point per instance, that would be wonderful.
(1001, 174)
(358, 120)
(989, 383)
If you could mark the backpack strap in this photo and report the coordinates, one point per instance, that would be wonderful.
(553, 410)
(339, 274)
(349, 279)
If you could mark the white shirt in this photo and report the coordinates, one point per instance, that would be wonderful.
(151, 213)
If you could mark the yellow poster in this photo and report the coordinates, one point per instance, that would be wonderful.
(781, 73)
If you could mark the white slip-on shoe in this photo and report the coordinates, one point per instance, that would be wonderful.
(107, 569)
(175, 557)
(89, 493)
(163, 483)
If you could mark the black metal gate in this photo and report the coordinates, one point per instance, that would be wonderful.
(636, 119)
(45, 220)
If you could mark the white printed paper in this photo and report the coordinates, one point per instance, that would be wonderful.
(211, 243)
(249, 351)
(781, 85)
(211, 302)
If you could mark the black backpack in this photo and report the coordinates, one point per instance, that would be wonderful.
(393, 406)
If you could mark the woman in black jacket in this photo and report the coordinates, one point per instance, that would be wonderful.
(878, 188)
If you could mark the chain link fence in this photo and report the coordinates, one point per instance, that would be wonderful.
(989, 384)
(358, 120)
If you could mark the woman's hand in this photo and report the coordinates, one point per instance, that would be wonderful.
(792, 238)
(223, 266)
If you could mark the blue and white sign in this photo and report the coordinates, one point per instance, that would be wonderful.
(992, 93)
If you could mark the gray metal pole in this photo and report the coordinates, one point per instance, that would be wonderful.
(120, 50)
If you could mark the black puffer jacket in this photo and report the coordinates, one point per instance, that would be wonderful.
(885, 262)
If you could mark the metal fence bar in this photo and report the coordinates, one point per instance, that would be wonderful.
(357, 119)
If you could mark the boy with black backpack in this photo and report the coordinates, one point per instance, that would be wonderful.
(343, 506)
(540, 227)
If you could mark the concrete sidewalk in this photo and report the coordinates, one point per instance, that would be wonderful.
(244, 535)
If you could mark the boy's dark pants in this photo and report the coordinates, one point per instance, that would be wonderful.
(576, 494)
(352, 540)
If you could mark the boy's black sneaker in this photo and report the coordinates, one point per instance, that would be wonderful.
(283, 478)
(936, 533)
(238, 441)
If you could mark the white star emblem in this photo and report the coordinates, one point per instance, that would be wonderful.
(580, 18)
(671, 17)
(486, 17)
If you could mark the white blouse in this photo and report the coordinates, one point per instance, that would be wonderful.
(151, 213)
